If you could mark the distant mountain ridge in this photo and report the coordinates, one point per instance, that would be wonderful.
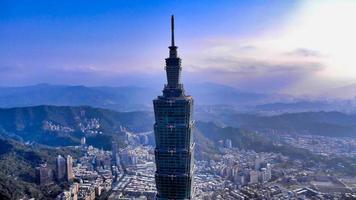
(117, 98)
(126, 98)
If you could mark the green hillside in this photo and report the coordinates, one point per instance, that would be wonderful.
(334, 124)
(17, 169)
(65, 125)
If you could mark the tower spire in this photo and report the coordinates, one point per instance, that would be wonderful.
(172, 30)
(172, 48)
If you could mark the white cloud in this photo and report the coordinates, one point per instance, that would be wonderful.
(316, 49)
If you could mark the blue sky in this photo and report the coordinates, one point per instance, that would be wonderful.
(119, 42)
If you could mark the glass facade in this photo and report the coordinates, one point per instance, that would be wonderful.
(173, 134)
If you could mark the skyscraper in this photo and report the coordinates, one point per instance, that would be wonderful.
(173, 133)
(61, 168)
(69, 173)
(115, 155)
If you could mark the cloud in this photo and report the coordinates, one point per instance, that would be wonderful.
(304, 52)
(253, 65)
(256, 75)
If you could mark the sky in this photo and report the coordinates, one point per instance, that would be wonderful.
(295, 47)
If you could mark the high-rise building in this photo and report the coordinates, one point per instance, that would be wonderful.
(173, 133)
(228, 143)
(44, 174)
(61, 168)
(70, 174)
(258, 162)
(254, 176)
(128, 157)
(240, 178)
(83, 141)
(115, 155)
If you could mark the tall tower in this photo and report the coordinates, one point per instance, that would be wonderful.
(61, 168)
(69, 173)
(173, 133)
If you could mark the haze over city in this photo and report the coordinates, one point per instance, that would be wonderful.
(293, 47)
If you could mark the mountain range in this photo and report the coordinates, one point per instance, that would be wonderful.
(66, 125)
(334, 124)
(124, 98)
(131, 98)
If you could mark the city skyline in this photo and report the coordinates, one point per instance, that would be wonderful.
(293, 47)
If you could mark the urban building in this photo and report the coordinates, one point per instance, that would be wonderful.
(71, 194)
(44, 174)
(228, 143)
(83, 141)
(61, 168)
(115, 155)
(69, 173)
(173, 133)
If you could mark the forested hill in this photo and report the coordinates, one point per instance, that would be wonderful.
(334, 124)
(17, 169)
(65, 125)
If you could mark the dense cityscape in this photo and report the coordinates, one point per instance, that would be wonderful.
(127, 173)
